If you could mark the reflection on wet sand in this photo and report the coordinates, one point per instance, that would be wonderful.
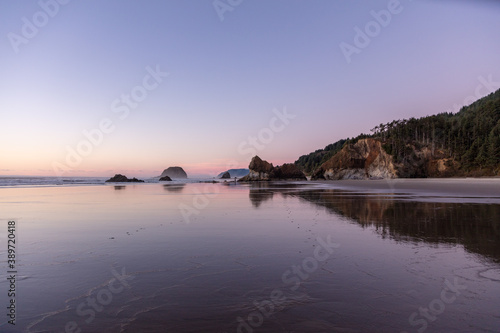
(257, 197)
(174, 187)
(475, 226)
(264, 191)
(207, 275)
(119, 187)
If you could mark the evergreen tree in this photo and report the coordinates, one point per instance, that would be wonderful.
(471, 137)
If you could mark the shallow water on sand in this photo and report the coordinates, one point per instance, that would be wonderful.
(268, 257)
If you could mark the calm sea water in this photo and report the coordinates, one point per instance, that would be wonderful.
(30, 181)
(269, 257)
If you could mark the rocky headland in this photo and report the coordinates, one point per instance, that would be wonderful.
(366, 159)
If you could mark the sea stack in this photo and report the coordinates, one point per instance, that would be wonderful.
(238, 173)
(174, 173)
(225, 175)
(119, 178)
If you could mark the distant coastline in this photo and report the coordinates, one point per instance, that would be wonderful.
(464, 144)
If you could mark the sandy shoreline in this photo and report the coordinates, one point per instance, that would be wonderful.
(457, 187)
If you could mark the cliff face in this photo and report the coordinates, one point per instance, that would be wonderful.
(424, 163)
(363, 160)
(366, 159)
(443, 167)
(259, 170)
(263, 170)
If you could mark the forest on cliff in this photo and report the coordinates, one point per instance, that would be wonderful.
(471, 138)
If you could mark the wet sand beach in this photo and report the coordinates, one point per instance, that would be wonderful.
(455, 187)
(262, 257)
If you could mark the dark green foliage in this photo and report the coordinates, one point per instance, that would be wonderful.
(388, 148)
(471, 137)
(494, 146)
(308, 163)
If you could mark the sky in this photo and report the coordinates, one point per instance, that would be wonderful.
(94, 88)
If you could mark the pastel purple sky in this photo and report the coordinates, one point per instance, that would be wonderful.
(67, 72)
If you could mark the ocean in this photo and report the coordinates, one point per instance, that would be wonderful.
(52, 181)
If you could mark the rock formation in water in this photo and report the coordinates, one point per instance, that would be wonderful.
(119, 178)
(259, 170)
(263, 170)
(174, 173)
(225, 175)
(165, 179)
(366, 159)
(238, 173)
